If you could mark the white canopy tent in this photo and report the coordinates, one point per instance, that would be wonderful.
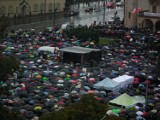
(124, 80)
(107, 84)
(48, 48)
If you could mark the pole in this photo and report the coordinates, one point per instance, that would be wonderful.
(45, 6)
(136, 9)
(54, 14)
(104, 6)
(146, 92)
(104, 117)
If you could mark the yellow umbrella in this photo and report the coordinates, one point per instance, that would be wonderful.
(68, 75)
(38, 76)
(92, 43)
(38, 108)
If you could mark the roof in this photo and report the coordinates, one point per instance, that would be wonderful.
(124, 100)
(77, 49)
(107, 84)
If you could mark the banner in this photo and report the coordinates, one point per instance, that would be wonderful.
(136, 10)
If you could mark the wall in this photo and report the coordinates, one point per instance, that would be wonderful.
(11, 8)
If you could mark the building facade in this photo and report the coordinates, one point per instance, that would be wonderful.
(13, 8)
(148, 17)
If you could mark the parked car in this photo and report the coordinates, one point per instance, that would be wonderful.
(89, 9)
(114, 20)
(72, 13)
(120, 4)
(110, 5)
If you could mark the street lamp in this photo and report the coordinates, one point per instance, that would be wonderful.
(104, 6)
(54, 14)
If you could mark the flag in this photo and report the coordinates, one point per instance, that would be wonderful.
(136, 10)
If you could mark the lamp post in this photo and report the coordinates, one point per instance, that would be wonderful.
(146, 96)
(54, 14)
(104, 6)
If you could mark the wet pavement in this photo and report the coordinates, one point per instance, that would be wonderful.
(39, 22)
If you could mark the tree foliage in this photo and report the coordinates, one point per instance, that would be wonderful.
(6, 114)
(88, 109)
(8, 65)
(84, 33)
(4, 22)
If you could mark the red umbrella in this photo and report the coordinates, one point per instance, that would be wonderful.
(51, 45)
(147, 81)
(36, 46)
(60, 103)
(119, 63)
(75, 75)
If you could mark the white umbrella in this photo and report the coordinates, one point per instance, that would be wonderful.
(31, 62)
(39, 60)
(60, 81)
(73, 92)
(60, 85)
(62, 73)
(103, 92)
(139, 113)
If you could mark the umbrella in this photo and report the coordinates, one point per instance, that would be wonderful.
(139, 113)
(60, 81)
(117, 111)
(87, 88)
(44, 78)
(38, 76)
(73, 92)
(67, 78)
(90, 92)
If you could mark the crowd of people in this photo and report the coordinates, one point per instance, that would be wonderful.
(45, 84)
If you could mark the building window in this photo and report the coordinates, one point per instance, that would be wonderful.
(58, 6)
(17, 9)
(42, 7)
(50, 7)
(2, 10)
(10, 9)
(35, 8)
(154, 9)
(29, 9)
(129, 15)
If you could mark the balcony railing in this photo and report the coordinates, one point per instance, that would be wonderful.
(149, 14)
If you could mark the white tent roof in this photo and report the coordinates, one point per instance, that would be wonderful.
(48, 48)
(107, 84)
(77, 49)
(124, 80)
(124, 100)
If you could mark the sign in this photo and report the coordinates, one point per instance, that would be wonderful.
(151, 14)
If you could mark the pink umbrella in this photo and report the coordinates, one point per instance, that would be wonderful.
(73, 81)
(90, 92)
(60, 103)
(92, 80)
(128, 36)
(135, 57)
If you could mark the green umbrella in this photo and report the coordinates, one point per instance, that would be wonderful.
(44, 78)
(67, 78)
(31, 56)
(117, 111)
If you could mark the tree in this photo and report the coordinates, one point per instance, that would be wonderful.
(4, 22)
(84, 33)
(8, 66)
(6, 114)
(88, 109)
